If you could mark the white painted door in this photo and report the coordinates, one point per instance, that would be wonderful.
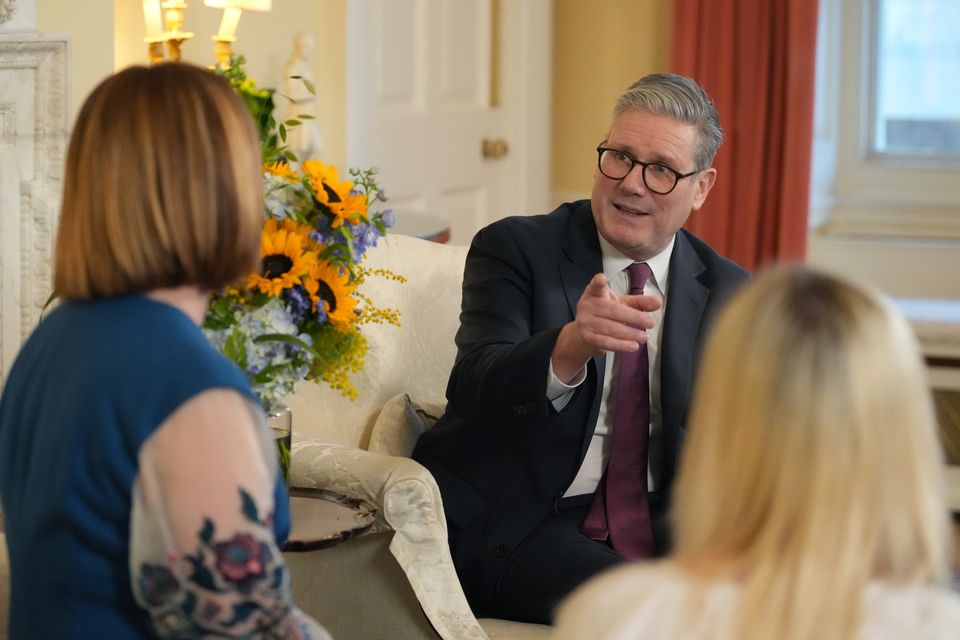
(423, 95)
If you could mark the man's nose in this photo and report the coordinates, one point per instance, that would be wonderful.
(633, 181)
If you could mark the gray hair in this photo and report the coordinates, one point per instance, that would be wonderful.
(681, 98)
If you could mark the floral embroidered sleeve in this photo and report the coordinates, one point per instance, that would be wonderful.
(203, 557)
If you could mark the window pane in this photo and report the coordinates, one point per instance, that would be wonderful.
(918, 78)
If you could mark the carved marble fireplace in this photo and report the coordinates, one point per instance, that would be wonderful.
(33, 134)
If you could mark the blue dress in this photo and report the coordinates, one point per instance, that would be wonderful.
(89, 387)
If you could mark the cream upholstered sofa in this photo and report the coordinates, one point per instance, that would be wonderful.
(397, 581)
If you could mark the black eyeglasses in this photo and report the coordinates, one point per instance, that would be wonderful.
(658, 178)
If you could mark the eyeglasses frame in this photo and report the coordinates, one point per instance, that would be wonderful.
(643, 170)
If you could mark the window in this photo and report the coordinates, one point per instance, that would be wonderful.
(917, 78)
(887, 119)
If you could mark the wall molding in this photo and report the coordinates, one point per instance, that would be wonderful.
(7, 9)
(33, 135)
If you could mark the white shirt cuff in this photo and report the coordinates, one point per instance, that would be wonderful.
(559, 392)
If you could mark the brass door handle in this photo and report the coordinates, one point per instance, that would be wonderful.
(494, 149)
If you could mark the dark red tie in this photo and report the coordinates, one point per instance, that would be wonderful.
(620, 511)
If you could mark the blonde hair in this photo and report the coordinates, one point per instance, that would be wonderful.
(163, 186)
(812, 465)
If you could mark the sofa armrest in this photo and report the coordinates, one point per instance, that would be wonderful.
(408, 502)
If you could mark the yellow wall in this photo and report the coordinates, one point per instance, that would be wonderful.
(107, 35)
(89, 25)
(599, 49)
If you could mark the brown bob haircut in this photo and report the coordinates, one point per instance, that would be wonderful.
(163, 186)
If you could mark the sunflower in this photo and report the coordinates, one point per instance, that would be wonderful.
(329, 285)
(354, 207)
(336, 195)
(285, 256)
(282, 170)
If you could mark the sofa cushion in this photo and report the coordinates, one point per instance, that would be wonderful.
(400, 423)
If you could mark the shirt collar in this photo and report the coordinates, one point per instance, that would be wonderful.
(614, 262)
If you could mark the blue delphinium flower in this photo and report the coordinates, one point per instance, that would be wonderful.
(388, 218)
(298, 303)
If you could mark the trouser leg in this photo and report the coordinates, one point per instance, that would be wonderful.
(550, 563)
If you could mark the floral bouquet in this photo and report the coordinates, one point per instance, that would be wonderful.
(298, 316)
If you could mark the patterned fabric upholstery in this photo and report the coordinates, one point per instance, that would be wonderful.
(414, 358)
(405, 375)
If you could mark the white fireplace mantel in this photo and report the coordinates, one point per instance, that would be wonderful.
(33, 135)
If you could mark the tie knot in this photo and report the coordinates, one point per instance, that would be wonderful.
(638, 273)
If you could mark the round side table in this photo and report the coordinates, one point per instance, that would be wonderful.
(321, 518)
(422, 225)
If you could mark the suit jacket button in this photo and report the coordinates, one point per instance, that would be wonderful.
(501, 551)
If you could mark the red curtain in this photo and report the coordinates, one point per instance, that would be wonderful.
(756, 59)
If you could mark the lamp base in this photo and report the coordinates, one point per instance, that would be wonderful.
(155, 51)
(175, 43)
(223, 50)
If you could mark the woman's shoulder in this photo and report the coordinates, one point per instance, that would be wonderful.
(910, 611)
(653, 600)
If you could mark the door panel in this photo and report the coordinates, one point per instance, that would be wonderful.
(424, 120)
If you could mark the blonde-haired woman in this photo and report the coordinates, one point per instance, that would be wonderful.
(140, 489)
(810, 503)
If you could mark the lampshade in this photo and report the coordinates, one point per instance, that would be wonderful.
(245, 5)
(153, 18)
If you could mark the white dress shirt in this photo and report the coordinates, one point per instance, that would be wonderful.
(595, 460)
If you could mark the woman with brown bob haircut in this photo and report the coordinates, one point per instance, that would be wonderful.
(810, 502)
(139, 484)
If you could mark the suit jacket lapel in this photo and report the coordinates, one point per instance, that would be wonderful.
(582, 248)
(686, 300)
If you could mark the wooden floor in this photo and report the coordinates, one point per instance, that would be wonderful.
(948, 415)
(956, 552)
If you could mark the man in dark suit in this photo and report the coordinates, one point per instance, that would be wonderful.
(553, 308)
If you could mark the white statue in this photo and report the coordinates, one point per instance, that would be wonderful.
(304, 140)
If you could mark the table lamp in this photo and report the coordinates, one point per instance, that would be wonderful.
(232, 9)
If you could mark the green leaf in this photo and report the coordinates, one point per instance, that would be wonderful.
(283, 133)
(292, 122)
(242, 612)
(202, 576)
(306, 116)
(283, 337)
(189, 604)
(206, 532)
(309, 86)
(327, 252)
(348, 234)
(50, 299)
(249, 507)
(219, 315)
(266, 374)
(235, 348)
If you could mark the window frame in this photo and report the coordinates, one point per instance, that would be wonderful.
(855, 190)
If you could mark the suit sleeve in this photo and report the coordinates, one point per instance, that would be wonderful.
(502, 364)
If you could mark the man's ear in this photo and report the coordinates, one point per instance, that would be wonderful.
(704, 182)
